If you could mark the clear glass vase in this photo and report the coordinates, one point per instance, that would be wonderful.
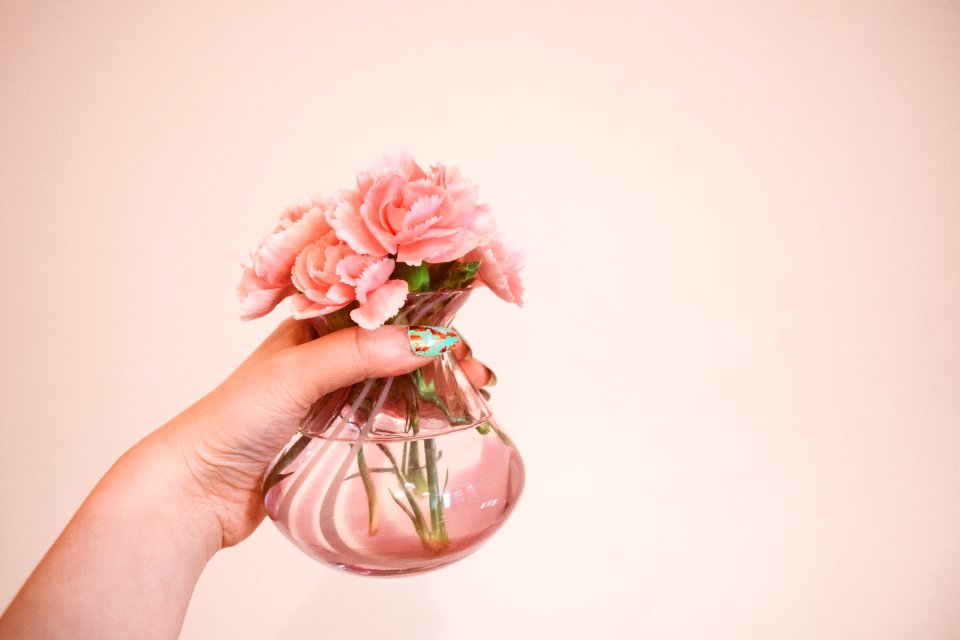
(397, 475)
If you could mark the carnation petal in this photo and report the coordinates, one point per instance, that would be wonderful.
(315, 277)
(304, 308)
(423, 209)
(351, 267)
(381, 305)
(438, 248)
(375, 275)
(351, 229)
(259, 303)
(340, 293)
(500, 265)
(416, 233)
(258, 297)
(278, 251)
(375, 209)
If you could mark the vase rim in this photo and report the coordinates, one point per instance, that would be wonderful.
(414, 294)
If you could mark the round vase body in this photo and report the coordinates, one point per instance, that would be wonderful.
(397, 475)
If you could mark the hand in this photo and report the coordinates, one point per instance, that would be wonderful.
(229, 437)
(136, 547)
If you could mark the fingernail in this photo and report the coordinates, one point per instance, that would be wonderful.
(492, 380)
(431, 341)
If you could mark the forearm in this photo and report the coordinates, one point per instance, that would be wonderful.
(127, 563)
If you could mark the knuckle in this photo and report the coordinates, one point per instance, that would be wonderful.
(283, 375)
(363, 351)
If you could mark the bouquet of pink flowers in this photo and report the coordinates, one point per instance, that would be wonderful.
(401, 230)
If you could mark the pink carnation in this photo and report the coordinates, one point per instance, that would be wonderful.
(267, 279)
(328, 254)
(500, 264)
(379, 298)
(315, 276)
(329, 276)
(402, 210)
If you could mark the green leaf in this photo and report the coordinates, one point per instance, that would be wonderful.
(417, 277)
(459, 276)
(276, 474)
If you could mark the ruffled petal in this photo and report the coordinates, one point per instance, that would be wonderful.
(258, 297)
(340, 294)
(373, 277)
(353, 230)
(423, 209)
(350, 268)
(277, 252)
(304, 308)
(374, 210)
(438, 249)
(313, 273)
(417, 232)
(500, 264)
(382, 304)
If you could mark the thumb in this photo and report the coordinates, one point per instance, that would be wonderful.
(339, 359)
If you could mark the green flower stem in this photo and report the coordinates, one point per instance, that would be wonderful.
(414, 511)
(427, 391)
(436, 504)
(410, 477)
(413, 469)
(439, 538)
(370, 490)
(373, 470)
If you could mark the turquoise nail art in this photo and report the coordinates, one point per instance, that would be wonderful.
(431, 341)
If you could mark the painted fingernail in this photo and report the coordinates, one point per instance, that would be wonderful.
(492, 380)
(431, 341)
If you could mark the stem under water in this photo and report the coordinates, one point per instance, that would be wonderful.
(436, 504)
(438, 540)
(412, 483)
(416, 516)
(427, 391)
(371, 492)
(413, 470)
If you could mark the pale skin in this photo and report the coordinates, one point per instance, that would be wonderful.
(127, 563)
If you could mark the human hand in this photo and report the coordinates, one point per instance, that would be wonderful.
(227, 439)
(136, 547)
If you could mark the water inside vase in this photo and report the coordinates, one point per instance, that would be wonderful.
(391, 515)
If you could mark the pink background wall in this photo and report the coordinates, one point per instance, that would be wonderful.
(737, 379)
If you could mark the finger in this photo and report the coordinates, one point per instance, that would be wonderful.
(478, 374)
(348, 356)
(463, 349)
(289, 333)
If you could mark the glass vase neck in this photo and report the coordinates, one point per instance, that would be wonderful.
(435, 398)
(436, 308)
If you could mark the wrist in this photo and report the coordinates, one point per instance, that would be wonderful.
(215, 476)
(155, 482)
